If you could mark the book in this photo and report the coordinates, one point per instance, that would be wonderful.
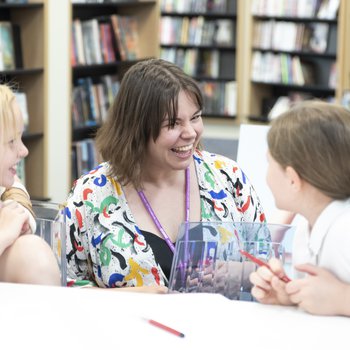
(345, 101)
(332, 81)
(230, 106)
(328, 9)
(91, 41)
(319, 37)
(281, 105)
(116, 25)
(224, 32)
(21, 98)
(7, 51)
(78, 37)
(130, 37)
(106, 37)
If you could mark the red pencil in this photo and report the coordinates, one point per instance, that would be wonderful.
(166, 328)
(262, 263)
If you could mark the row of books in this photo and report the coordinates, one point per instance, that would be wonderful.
(10, 46)
(194, 62)
(197, 6)
(84, 157)
(282, 104)
(322, 9)
(14, 1)
(291, 36)
(219, 98)
(104, 39)
(92, 99)
(196, 31)
(286, 69)
(89, 1)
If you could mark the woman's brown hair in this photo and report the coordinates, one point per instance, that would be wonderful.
(314, 138)
(148, 94)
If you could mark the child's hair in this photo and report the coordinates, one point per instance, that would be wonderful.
(314, 138)
(7, 118)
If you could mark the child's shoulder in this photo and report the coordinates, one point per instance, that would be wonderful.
(344, 216)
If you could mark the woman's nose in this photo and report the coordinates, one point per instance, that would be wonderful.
(188, 131)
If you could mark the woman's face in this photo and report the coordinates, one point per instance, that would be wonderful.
(174, 147)
(13, 150)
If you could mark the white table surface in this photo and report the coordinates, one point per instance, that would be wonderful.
(37, 317)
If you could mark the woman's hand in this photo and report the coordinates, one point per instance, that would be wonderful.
(13, 220)
(143, 289)
(146, 289)
(320, 293)
(268, 287)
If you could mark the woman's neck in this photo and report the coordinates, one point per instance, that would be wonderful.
(163, 178)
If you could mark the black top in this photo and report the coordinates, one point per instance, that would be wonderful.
(161, 251)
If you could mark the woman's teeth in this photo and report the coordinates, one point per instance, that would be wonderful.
(182, 148)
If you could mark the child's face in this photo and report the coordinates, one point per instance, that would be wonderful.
(279, 183)
(13, 151)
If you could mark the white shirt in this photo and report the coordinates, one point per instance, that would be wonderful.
(328, 243)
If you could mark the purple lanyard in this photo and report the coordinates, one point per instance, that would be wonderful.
(154, 217)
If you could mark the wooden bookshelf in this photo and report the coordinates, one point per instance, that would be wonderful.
(202, 41)
(47, 77)
(100, 75)
(260, 92)
(30, 78)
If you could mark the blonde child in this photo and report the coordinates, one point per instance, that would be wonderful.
(309, 174)
(24, 258)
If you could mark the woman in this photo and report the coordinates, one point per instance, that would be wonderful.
(123, 217)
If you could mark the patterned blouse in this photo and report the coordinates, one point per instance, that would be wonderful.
(106, 247)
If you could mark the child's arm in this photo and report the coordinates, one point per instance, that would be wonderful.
(12, 218)
(268, 287)
(19, 194)
(320, 292)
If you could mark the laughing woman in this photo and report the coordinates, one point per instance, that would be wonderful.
(123, 217)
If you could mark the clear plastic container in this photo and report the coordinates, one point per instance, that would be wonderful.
(207, 258)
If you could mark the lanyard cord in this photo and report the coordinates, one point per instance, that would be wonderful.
(154, 217)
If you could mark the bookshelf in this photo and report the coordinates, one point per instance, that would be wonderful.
(27, 74)
(103, 47)
(200, 37)
(294, 53)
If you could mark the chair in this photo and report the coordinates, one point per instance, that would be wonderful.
(50, 221)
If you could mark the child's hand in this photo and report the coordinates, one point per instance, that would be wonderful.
(268, 287)
(26, 229)
(13, 218)
(319, 293)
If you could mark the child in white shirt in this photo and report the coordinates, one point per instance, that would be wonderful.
(309, 174)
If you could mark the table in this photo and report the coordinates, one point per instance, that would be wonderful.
(42, 317)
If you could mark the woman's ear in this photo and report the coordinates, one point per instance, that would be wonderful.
(294, 178)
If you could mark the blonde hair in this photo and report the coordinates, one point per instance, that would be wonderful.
(8, 121)
(314, 138)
